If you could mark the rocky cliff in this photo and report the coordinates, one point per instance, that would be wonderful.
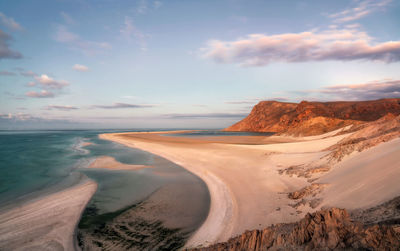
(330, 229)
(313, 118)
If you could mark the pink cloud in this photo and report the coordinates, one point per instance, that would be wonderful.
(48, 82)
(334, 44)
(360, 10)
(41, 94)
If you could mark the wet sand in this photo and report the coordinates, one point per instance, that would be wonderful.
(46, 223)
(110, 163)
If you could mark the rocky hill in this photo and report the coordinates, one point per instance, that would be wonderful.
(330, 229)
(313, 118)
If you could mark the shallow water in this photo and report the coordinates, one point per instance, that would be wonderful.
(34, 163)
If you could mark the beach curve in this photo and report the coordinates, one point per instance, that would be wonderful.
(218, 225)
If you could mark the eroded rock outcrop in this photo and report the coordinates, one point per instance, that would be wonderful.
(313, 118)
(330, 229)
(366, 136)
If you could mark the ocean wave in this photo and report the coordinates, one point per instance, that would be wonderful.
(80, 144)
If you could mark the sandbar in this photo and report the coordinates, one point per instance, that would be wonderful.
(111, 163)
(47, 223)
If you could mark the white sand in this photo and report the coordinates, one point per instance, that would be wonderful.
(304, 145)
(247, 191)
(46, 223)
(366, 179)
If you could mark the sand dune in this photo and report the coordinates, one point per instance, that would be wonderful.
(366, 179)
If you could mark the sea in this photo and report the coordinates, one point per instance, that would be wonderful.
(156, 208)
(37, 163)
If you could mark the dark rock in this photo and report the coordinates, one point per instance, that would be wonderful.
(330, 229)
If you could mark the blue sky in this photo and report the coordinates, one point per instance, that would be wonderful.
(188, 64)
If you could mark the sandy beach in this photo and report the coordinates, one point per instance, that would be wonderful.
(46, 223)
(248, 188)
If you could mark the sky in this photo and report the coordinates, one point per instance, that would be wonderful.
(71, 64)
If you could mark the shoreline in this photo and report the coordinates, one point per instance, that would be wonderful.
(221, 210)
(248, 184)
(178, 201)
(225, 218)
(46, 222)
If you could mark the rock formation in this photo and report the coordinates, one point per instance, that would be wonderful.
(365, 136)
(313, 118)
(330, 229)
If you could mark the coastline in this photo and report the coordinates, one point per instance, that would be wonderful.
(249, 184)
(223, 207)
(46, 222)
(141, 204)
(235, 193)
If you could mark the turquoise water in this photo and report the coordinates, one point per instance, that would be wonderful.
(33, 163)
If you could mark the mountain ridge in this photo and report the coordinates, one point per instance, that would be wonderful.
(312, 118)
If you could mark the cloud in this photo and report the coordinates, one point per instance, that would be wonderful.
(333, 44)
(49, 83)
(366, 91)
(5, 51)
(46, 83)
(61, 107)
(373, 90)
(122, 106)
(41, 94)
(67, 18)
(130, 32)
(13, 121)
(362, 9)
(7, 73)
(16, 116)
(9, 22)
(281, 99)
(81, 68)
(28, 73)
(25, 73)
(63, 35)
(207, 115)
